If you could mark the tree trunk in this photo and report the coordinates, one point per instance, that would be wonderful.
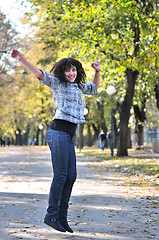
(125, 113)
(157, 95)
(89, 136)
(47, 127)
(140, 117)
(80, 136)
(18, 140)
(42, 136)
(37, 136)
(139, 136)
(25, 136)
(129, 145)
(96, 132)
(82, 126)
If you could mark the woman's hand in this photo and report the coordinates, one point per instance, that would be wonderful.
(96, 66)
(96, 78)
(16, 54)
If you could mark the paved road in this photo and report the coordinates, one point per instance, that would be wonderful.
(105, 204)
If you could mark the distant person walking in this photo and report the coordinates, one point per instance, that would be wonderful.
(67, 82)
(102, 138)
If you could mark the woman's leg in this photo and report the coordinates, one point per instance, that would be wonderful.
(58, 143)
(67, 189)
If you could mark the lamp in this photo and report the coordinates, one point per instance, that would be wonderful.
(40, 126)
(111, 90)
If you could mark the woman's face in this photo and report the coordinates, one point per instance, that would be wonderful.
(71, 74)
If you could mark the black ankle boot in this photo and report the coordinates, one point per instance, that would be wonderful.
(54, 223)
(64, 223)
(63, 219)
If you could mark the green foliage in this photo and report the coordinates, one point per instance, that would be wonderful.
(102, 30)
(88, 30)
(8, 40)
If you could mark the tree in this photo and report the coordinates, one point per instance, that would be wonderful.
(123, 34)
(25, 103)
(8, 40)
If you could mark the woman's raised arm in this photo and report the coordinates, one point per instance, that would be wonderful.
(30, 67)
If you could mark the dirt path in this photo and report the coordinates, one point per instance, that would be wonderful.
(105, 204)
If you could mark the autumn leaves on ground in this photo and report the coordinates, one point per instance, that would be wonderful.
(138, 162)
(112, 198)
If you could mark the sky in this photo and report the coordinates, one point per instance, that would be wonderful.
(13, 11)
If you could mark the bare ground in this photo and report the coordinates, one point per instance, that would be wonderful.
(106, 204)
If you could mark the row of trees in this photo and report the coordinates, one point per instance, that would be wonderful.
(121, 34)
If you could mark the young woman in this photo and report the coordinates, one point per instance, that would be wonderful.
(67, 83)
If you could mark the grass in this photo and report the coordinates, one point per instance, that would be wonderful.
(138, 160)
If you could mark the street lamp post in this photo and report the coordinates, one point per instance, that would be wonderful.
(41, 131)
(112, 135)
(111, 90)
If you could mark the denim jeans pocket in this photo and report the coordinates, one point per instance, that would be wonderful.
(57, 136)
(49, 136)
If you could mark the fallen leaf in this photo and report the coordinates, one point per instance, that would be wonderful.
(21, 222)
(12, 232)
(84, 210)
(77, 223)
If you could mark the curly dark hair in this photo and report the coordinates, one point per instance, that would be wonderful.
(64, 64)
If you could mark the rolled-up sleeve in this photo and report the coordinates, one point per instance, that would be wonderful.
(90, 88)
(49, 80)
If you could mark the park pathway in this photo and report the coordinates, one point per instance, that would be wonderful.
(105, 205)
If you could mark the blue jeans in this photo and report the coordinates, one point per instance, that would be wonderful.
(102, 144)
(64, 171)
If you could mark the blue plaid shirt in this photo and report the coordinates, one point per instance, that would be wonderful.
(68, 98)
